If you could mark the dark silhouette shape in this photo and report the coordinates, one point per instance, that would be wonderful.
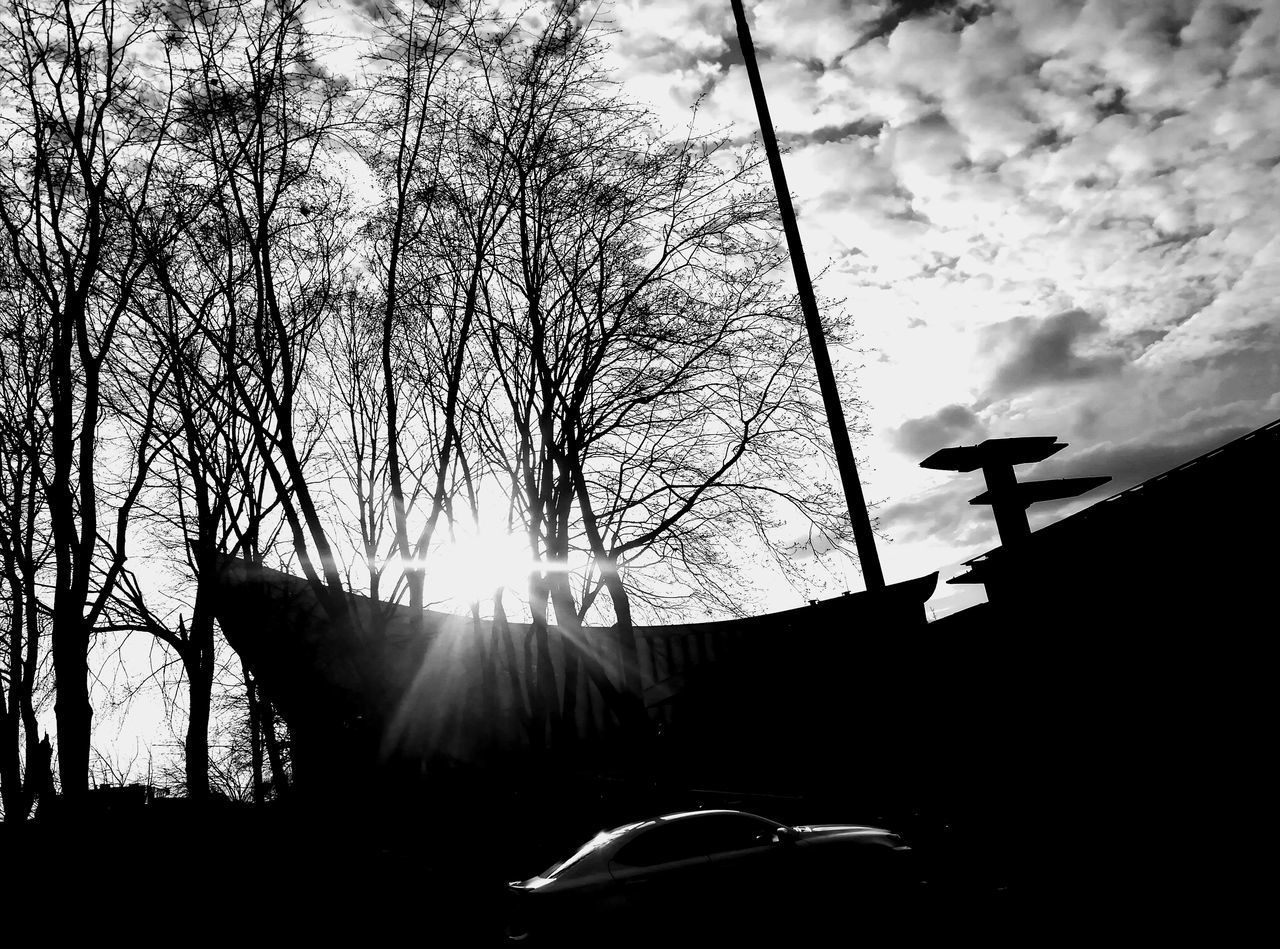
(43, 766)
(1008, 497)
(713, 869)
(1117, 678)
(447, 690)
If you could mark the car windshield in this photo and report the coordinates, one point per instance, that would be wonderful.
(596, 843)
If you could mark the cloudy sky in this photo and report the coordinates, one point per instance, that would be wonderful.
(1047, 218)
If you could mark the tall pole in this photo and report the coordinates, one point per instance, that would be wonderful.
(863, 537)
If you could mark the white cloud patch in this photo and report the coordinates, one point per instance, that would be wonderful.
(943, 515)
(1245, 315)
(817, 30)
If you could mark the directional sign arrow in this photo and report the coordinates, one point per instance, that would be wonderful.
(994, 451)
(1029, 492)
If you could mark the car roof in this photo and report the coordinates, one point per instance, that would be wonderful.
(607, 842)
(680, 815)
(624, 829)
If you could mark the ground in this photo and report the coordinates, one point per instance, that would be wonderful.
(293, 872)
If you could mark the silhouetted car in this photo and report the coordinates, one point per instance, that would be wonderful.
(710, 871)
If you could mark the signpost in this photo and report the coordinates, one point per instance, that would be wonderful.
(1009, 498)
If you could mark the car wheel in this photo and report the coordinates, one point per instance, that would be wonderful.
(516, 931)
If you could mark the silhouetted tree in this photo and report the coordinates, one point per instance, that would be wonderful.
(211, 499)
(250, 759)
(264, 742)
(653, 367)
(428, 238)
(82, 133)
(258, 110)
(24, 540)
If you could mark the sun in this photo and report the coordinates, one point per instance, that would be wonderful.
(475, 563)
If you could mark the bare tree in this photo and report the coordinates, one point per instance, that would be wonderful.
(406, 152)
(83, 131)
(405, 362)
(240, 277)
(24, 541)
(213, 493)
(653, 365)
(257, 114)
(250, 760)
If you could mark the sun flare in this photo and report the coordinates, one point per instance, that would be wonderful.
(473, 565)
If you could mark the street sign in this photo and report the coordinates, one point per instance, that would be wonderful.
(994, 451)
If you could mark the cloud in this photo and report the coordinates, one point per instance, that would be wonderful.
(1043, 352)
(1135, 459)
(943, 515)
(1134, 462)
(925, 154)
(1241, 317)
(655, 35)
(951, 425)
(809, 29)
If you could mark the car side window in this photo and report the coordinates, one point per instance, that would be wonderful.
(666, 843)
(727, 832)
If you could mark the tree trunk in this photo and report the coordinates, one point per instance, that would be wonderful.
(38, 777)
(10, 773)
(502, 631)
(72, 711)
(255, 734)
(626, 629)
(198, 659)
(571, 640)
(279, 774)
(547, 701)
(608, 565)
(200, 675)
(627, 706)
(10, 731)
(40, 774)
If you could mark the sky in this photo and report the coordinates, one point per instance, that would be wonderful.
(1045, 217)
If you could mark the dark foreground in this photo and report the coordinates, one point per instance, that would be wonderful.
(435, 873)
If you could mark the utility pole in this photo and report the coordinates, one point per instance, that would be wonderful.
(863, 537)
